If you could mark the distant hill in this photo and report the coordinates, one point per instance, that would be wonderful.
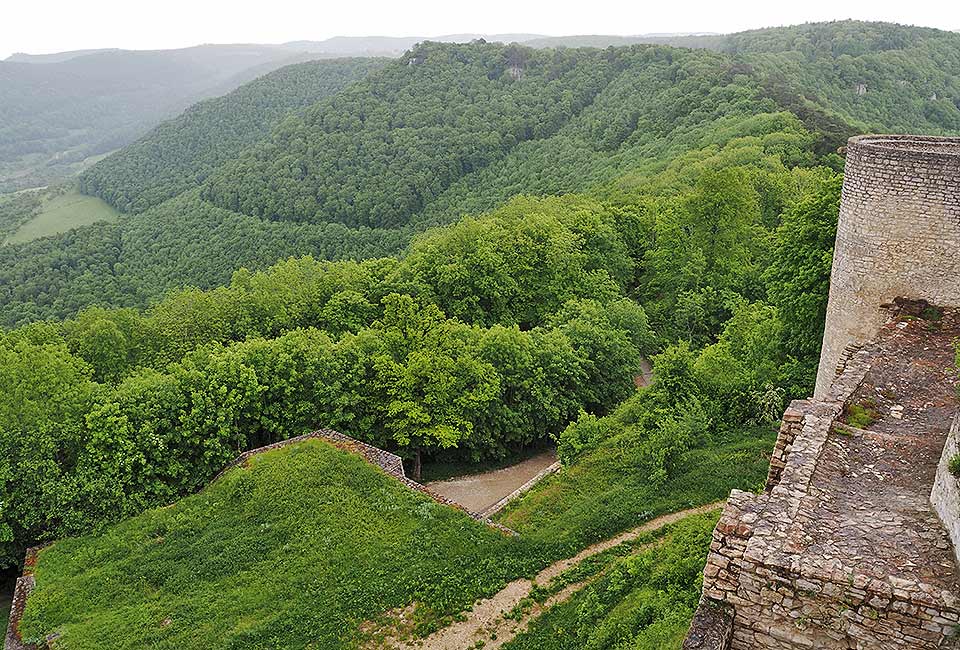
(56, 57)
(706, 41)
(459, 129)
(877, 76)
(393, 45)
(56, 115)
(179, 154)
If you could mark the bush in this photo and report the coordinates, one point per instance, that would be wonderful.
(862, 415)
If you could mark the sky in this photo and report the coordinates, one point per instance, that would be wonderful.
(43, 26)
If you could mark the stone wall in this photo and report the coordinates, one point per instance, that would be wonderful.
(773, 581)
(21, 592)
(790, 426)
(898, 235)
(388, 462)
(945, 495)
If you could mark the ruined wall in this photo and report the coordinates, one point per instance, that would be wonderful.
(898, 235)
(945, 495)
(778, 578)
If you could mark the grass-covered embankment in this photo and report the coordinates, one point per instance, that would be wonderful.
(606, 491)
(643, 601)
(62, 212)
(295, 551)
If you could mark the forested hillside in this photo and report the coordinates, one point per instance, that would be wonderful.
(634, 117)
(179, 154)
(708, 198)
(464, 253)
(379, 152)
(876, 76)
(637, 108)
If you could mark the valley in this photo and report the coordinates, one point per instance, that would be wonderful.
(60, 213)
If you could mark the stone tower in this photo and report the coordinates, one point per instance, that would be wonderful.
(898, 235)
(854, 543)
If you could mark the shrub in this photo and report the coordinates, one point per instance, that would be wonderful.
(954, 465)
(862, 415)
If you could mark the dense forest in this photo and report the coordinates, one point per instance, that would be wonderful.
(638, 108)
(486, 336)
(180, 153)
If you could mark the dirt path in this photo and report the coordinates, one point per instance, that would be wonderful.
(486, 622)
(645, 378)
(477, 492)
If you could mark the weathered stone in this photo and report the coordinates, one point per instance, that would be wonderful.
(844, 548)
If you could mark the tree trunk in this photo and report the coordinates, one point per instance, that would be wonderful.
(416, 465)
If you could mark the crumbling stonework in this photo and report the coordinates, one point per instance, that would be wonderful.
(898, 235)
(790, 426)
(945, 495)
(388, 462)
(843, 549)
(853, 543)
(21, 592)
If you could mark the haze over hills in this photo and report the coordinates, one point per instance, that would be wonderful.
(625, 110)
(57, 114)
(385, 45)
(60, 111)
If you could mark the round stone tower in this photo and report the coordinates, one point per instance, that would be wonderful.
(898, 236)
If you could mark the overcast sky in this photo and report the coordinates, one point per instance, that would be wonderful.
(42, 26)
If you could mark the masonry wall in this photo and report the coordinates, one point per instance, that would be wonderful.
(758, 594)
(945, 495)
(898, 235)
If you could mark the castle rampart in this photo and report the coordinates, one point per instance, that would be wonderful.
(854, 541)
(898, 235)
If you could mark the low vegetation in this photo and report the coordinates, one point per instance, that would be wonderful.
(954, 465)
(643, 601)
(296, 550)
(60, 211)
(862, 414)
(605, 493)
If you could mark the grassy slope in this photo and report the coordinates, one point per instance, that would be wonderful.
(642, 602)
(62, 213)
(301, 548)
(293, 552)
(599, 495)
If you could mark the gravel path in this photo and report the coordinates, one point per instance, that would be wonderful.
(477, 492)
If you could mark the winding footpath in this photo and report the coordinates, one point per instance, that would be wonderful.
(487, 621)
